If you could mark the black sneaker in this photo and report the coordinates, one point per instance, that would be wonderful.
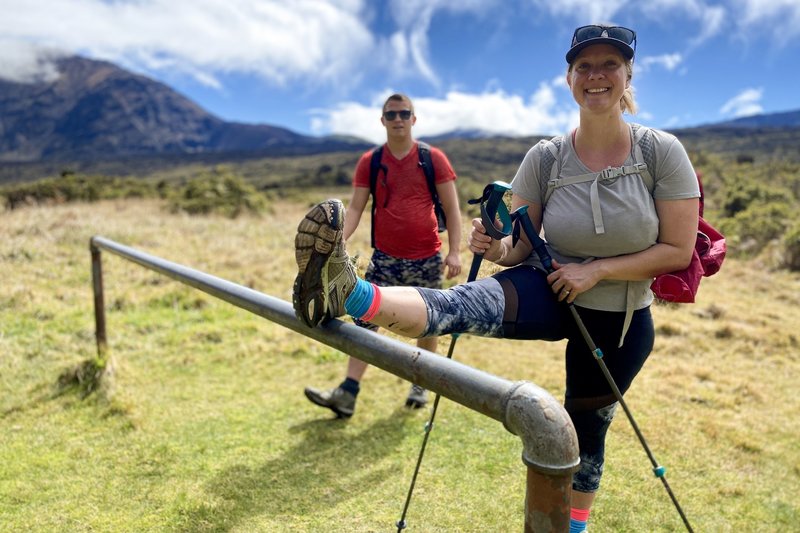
(337, 400)
(326, 275)
(417, 397)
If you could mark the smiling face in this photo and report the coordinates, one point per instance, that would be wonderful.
(598, 78)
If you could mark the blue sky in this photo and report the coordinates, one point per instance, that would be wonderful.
(322, 67)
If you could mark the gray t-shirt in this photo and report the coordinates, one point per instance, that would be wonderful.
(626, 210)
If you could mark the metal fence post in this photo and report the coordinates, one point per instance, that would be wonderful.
(99, 304)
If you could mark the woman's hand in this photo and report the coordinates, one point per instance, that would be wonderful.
(482, 244)
(568, 281)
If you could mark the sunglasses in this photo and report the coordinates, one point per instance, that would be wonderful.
(593, 31)
(405, 114)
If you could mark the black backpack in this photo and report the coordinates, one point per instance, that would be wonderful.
(426, 163)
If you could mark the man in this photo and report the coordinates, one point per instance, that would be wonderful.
(406, 238)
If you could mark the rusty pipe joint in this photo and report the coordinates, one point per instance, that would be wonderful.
(550, 445)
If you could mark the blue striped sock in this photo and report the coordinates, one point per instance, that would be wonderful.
(578, 520)
(576, 526)
(360, 299)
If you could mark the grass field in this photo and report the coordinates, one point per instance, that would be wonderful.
(203, 425)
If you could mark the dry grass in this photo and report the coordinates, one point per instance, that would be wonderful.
(204, 427)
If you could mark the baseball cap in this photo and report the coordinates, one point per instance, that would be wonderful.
(622, 38)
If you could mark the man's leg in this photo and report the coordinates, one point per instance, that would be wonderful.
(418, 396)
(356, 368)
(342, 399)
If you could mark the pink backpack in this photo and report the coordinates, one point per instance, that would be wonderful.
(709, 252)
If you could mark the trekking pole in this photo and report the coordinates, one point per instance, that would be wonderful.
(492, 206)
(520, 216)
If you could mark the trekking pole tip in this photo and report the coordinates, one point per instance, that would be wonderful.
(401, 525)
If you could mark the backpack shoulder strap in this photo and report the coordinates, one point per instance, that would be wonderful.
(374, 169)
(426, 162)
(643, 152)
(550, 164)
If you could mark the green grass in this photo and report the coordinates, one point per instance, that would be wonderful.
(203, 425)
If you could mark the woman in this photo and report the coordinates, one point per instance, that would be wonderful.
(609, 238)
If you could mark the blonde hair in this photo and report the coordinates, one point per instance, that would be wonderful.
(628, 101)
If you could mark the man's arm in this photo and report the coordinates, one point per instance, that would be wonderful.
(353, 215)
(449, 198)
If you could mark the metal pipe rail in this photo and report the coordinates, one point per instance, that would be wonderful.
(549, 443)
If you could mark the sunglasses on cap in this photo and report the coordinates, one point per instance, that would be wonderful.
(405, 114)
(593, 31)
(623, 39)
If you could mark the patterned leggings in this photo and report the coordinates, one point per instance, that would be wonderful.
(517, 303)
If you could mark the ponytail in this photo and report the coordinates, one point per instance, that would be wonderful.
(628, 102)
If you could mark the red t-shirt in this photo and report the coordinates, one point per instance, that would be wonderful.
(405, 223)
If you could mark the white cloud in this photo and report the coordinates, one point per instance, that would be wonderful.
(743, 104)
(709, 19)
(644, 116)
(23, 62)
(667, 61)
(774, 19)
(584, 11)
(336, 44)
(494, 111)
(413, 20)
(673, 121)
(312, 40)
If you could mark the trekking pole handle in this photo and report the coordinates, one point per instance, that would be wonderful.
(520, 218)
(492, 206)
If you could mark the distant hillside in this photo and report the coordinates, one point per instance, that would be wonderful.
(756, 143)
(96, 110)
(772, 120)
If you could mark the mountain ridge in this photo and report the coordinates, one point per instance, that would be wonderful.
(95, 109)
(97, 116)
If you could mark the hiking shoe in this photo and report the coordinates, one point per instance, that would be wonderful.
(326, 275)
(337, 400)
(417, 397)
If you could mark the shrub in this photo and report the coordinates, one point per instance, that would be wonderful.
(791, 244)
(222, 193)
(752, 229)
(744, 192)
(72, 187)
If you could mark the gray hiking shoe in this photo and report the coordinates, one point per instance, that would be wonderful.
(417, 397)
(326, 275)
(337, 400)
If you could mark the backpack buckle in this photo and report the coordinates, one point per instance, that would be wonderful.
(611, 173)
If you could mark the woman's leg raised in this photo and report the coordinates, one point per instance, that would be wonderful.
(327, 286)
